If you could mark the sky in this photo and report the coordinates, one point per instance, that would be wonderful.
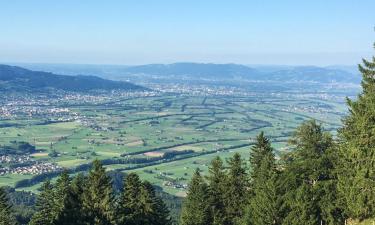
(132, 32)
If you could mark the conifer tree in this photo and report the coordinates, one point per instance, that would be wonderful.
(75, 198)
(306, 175)
(259, 151)
(44, 205)
(332, 209)
(236, 193)
(216, 190)
(98, 199)
(155, 212)
(263, 203)
(357, 167)
(71, 213)
(60, 197)
(130, 207)
(6, 214)
(196, 210)
(303, 207)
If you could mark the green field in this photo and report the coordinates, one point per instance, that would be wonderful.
(147, 127)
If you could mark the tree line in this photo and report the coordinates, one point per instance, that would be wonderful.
(323, 180)
(299, 189)
(84, 167)
(91, 200)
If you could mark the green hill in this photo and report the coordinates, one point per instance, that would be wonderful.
(13, 78)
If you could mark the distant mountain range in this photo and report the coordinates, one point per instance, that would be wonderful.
(196, 70)
(19, 79)
(341, 74)
(235, 71)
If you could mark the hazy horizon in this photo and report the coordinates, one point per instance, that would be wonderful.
(177, 62)
(291, 32)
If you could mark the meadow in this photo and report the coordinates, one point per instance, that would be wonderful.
(143, 128)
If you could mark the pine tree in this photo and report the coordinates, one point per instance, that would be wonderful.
(44, 205)
(6, 214)
(98, 199)
(196, 210)
(236, 193)
(61, 191)
(130, 207)
(306, 175)
(357, 167)
(139, 205)
(263, 206)
(332, 210)
(259, 151)
(155, 212)
(163, 213)
(216, 189)
(303, 207)
(71, 213)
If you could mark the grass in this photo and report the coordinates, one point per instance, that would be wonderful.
(11, 179)
(72, 162)
(166, 121)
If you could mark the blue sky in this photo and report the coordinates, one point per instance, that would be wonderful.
(296, 32)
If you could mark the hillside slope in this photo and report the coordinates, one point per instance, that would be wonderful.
(19, 79)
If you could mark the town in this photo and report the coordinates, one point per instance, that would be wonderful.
(28, 166)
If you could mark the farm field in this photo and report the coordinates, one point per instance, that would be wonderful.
(165, 137)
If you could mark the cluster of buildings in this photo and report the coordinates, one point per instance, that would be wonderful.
(14, 158)
(101, 97)
(48, 105)
(37, 168)
(175, 185)
(308, 109)
(171, 182)
(10, 111)
(200, 89)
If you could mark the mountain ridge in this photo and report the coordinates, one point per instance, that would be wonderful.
(238, 71)
(18, 78)
(210, 71)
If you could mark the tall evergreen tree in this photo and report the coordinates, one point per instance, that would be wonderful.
(60, 197)
(332, 210)
(71, 212)
(263, 206)
(306, 177)
(155, 212)
(302, 206)
(261, 149)
(130, 207)
(236, 193)
(44, 205)
(357, 167)
(98, 199)
(216, 190)
(196, 210)
(6, 214)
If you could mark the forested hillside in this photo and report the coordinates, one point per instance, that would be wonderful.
(13, 78)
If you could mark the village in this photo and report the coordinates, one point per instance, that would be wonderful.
(54, 107)
(31, 168)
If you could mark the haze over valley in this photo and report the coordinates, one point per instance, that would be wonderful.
(163, 121)
(187, 112)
